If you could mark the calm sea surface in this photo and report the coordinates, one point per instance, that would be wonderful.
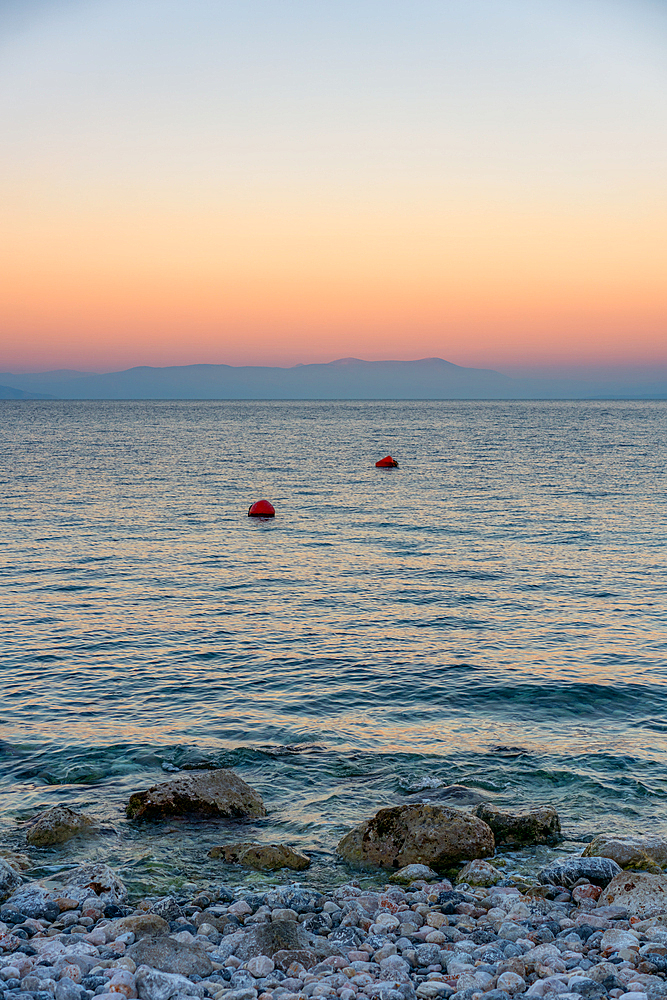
(492, 613)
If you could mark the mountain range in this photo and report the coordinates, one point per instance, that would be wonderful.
(347, 378)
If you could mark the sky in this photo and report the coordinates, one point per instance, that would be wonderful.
(292, 181)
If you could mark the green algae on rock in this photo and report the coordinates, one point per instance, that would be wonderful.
(437, 836)
(56, 825)
(199, 793)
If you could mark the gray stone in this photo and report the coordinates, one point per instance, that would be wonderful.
(437, 836)
(94, 880)
(199, 793)
(267, 939)
(293, 898)
(10, 879)
(537, 826)
(171, 956)
(66, 989)
(36, 902)
(599, 871)
(152, 984)
(410, 873)
(304, 956)
(167, 908)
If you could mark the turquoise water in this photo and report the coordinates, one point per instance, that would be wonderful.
(492, 613)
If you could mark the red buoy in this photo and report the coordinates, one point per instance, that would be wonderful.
(386, 463)
(262, 508)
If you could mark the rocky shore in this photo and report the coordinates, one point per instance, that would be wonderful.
(582, 928)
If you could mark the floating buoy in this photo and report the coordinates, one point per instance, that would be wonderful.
(386, 463)
(262, 508)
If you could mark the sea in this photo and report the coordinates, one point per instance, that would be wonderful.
(492, 613)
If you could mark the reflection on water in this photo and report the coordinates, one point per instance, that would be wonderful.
(504, 588)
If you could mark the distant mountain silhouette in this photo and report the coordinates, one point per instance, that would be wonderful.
(346, 378)
(7, 392)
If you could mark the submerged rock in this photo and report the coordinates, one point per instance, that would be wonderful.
(199, 793)
(450, 793)
(629, 852)
(56, 826)
(536, 826)
(262, 857)
(437, 836)
(599, 871)
(643, 895)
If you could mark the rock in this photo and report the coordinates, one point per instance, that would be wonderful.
(171, 956)
(648, 853)
(94, 880)
(304, 956)
(200, 793)
(267, 939)
(153, 984)
(10, 879)
(260, 966)
(21, 862)
(262, 857)
(480, 873)
(437, 836)
(294, 898)
(56, 826)
(642, 894)
(599, 871)
(167, 908)
(36, 902)
(411, 873)
(139, 924)
(537, 826)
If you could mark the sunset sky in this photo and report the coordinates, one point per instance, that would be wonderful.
(284, 181)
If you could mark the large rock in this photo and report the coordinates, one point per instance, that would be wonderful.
(630, 852)
(171, 956)
(33, 900)
(56, 826)
(94, 880)
(437, 836)
(641, 894)
(537, 826)
(480, 873)
(599, 871)
(199, 793)
(267, 939)
(10, 879)
(262, 857)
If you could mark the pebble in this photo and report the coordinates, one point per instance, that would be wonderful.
(419, 940)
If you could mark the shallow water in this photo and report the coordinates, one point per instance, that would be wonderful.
(492, 613)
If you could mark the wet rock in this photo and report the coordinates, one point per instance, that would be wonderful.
(200, 793)
(599, 871)
(267, 939)
(10, 879)
(21, 862)
(647, 853)
(537, 826)
(34, 901)
(94, 880)
(294, 898)
(153, 984)
(642, 894)
(437, 836)
(262, 857)
(56, 826)
(171, 956)
(480, 873)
